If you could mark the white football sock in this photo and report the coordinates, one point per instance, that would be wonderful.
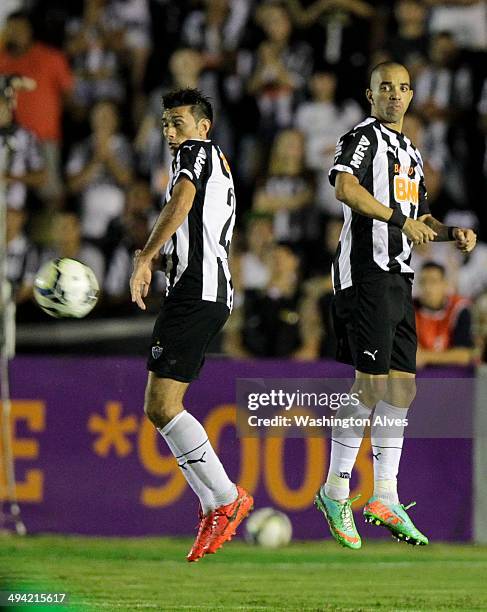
(204, 494)
(344, 452)
(189, 443)
(387, 440)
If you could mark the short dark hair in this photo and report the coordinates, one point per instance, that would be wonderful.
(433, 265)
(387, 64)
(200, 105)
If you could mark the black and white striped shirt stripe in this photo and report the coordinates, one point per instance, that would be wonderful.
(197, 254)
(390, 167)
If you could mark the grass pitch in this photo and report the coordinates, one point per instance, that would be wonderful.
(152, 574)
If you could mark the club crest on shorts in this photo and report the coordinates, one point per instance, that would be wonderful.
(157, 351)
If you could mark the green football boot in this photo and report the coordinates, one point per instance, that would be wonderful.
(396, 519)
(340, 519)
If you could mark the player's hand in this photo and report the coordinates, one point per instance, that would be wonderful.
(140, 279)
(465, 239)
(418, 232)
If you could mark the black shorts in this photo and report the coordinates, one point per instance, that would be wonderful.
(375, 325)
(182, 332)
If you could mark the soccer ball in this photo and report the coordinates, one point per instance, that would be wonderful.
(269, 528)
(65, 287)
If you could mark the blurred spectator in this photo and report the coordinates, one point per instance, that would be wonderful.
(21, 157)
(281, 69)
(95, 57)
(318, 291)
(216, 28)
(287, 192)
(443, 95)
(136, 230)
(22, 256)
(138, 201)
(471, 273)
(130, 20)
(410, 44)
(433, 152)
(466, 19)
(338, 33)
(254, 261)
(323, 121)
(68, 242)
(466, 272)
(443, 321)
(327, 246)
(99, 169)
(270, 323)
(185, 66)
(40, 110)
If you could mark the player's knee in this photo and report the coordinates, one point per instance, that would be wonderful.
(401, 392)
(158, 409)
(151, 410)
(371, 389)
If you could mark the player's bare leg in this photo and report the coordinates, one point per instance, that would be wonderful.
(198, 461)
(384, 507)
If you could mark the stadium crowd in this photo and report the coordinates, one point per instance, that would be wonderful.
(286, 79)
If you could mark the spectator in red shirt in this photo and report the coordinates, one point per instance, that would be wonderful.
(39, 111)
(443, 321)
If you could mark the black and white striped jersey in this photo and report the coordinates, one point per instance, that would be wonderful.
(391, 169)
(22, 155)
(196, 256)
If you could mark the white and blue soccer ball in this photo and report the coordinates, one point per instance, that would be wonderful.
(268, 528)
(65, 287)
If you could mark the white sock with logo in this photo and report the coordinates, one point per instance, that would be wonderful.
(387, 441)
(199, 463)
(344, 451)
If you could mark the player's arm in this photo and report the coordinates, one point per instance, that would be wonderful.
(349, 191)
(465, 238)
(172, 216)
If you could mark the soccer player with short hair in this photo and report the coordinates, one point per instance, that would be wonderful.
(194, 230)
(378, 176)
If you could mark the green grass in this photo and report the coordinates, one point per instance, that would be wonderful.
(152, 573)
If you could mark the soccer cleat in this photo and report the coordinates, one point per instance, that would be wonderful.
(205, 530)
(340, 519)
(395, 518)
(226, 519)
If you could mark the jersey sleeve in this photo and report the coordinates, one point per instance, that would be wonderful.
(191, 162)
(353, 154)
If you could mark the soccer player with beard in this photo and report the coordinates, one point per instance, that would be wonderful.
(194, 230)
(378, 176)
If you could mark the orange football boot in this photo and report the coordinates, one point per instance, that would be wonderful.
(205, 531)
(227, 518)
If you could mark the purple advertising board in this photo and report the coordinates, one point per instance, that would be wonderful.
(89, 462)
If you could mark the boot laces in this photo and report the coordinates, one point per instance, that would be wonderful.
(347, 515)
